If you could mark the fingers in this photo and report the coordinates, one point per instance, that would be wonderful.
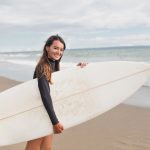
(58, 128)
(61, 127)
(81, 64)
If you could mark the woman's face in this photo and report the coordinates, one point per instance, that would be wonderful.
(56, 50)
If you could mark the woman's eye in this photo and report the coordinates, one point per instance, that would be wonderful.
(55, 48)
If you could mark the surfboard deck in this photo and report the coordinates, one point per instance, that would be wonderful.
(78, 96)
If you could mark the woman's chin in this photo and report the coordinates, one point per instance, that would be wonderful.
(57, 58)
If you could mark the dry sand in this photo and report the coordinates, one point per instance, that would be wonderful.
(122, 128)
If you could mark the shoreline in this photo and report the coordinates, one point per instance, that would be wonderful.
(124, 127)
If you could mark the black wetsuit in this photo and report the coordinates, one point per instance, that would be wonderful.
(44, 89)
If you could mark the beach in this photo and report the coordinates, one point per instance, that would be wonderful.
(124, 127)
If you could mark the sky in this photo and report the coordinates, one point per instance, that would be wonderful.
(25, 25)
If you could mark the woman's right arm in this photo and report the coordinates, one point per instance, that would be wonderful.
(47, 101)
(46, 98)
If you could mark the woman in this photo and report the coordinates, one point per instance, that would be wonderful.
(49, 62)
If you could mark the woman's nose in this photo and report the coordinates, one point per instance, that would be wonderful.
(59, 51)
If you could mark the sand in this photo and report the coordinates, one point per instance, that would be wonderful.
(123, 128)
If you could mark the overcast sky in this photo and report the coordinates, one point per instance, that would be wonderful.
(26, 24)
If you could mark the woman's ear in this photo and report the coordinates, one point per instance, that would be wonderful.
(47, 48)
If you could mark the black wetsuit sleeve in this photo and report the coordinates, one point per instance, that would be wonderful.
(44, 89)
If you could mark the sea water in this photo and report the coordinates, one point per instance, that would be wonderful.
(20, 65)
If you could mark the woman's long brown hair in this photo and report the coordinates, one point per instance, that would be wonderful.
(43, 66)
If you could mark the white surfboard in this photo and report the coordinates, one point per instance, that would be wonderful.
(78, 95)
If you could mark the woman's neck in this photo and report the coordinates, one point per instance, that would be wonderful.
(51, 60)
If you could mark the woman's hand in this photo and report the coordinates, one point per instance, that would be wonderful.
(58, 128)
(81, 64)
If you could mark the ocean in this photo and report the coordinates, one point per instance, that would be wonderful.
(20, 65)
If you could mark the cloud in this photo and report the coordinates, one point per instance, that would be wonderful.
(107, 14)
(78, 21)
(125, 40)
